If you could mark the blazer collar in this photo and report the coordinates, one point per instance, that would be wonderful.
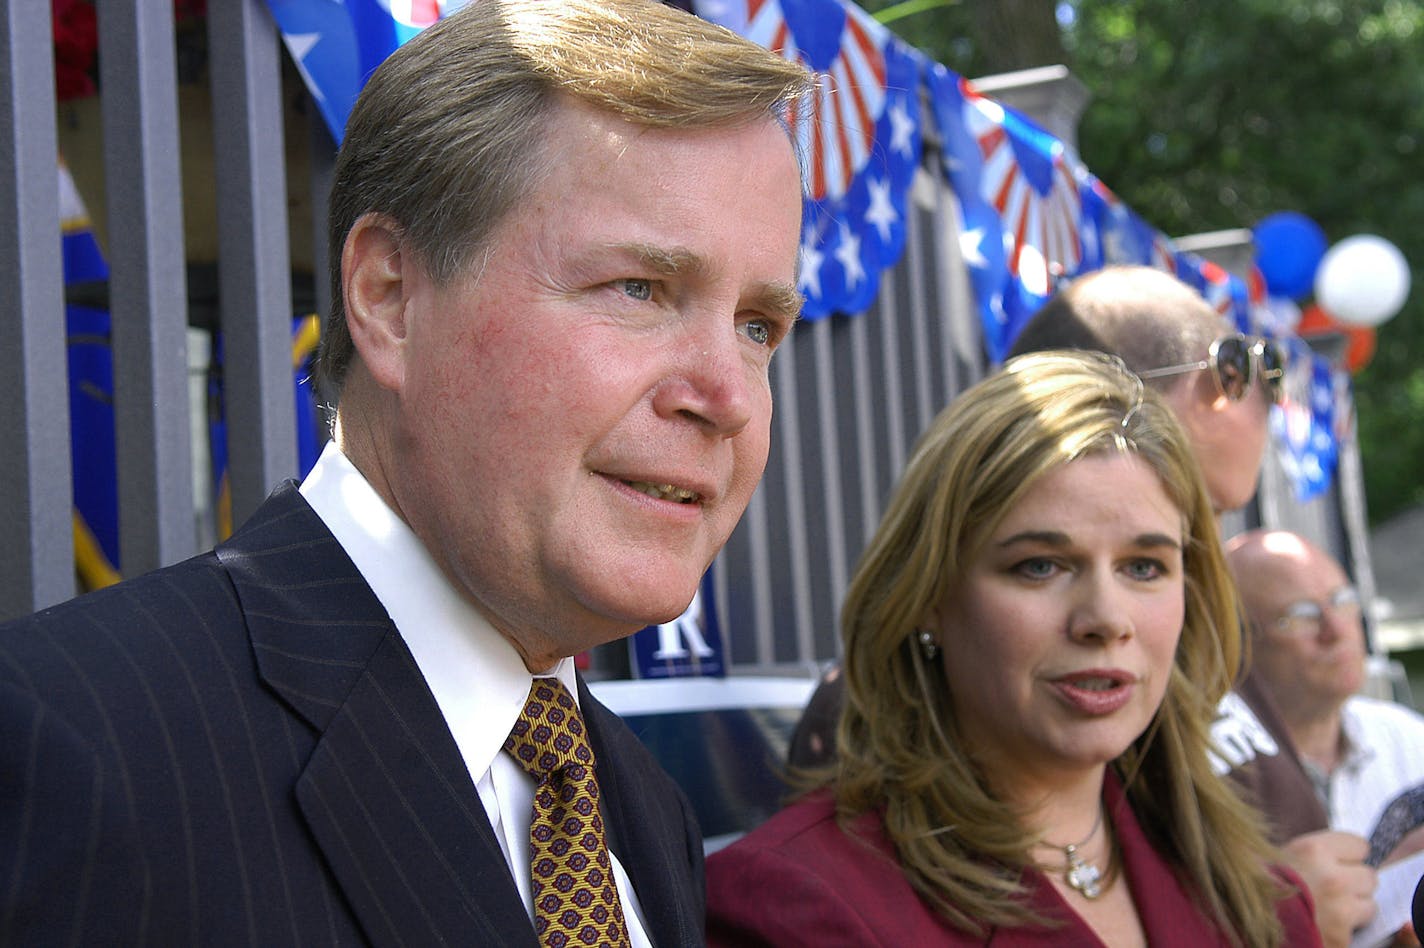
(385, 792)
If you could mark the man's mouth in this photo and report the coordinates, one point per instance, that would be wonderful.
(680, 495)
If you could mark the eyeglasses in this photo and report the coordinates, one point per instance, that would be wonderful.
(1231, 359)
(1302, 619)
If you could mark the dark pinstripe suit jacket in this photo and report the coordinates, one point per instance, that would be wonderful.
(239, 749)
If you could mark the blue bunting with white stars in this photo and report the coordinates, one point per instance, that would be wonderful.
(1019, 191)
(1032, 215)
(336, 44)
(1114, 234)
(1305, 425)
(860, 139)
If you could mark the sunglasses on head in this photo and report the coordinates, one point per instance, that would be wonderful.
(1232, 360)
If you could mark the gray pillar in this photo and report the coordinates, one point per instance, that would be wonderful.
(254, 270)
(148, 285)
(37, 558)
(1050, 95)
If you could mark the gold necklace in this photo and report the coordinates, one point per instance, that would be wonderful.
(1083, 876)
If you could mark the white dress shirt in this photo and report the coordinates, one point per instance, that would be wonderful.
(478, 679)
(1384, 756)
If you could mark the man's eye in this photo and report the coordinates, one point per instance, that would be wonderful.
(758, 331)
(637, 289)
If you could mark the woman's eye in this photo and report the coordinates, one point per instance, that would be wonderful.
(1145, 569)
(758, 331)
(637, 289)
(1035, 569)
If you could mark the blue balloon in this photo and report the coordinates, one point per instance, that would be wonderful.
(1289, 246)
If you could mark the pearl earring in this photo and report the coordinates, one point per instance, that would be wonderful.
(928, 648)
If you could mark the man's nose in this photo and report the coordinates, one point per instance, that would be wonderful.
(712, 383)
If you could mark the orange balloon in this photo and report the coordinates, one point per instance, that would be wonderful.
(1315, 321)
(1361, 347)
(1359, 340)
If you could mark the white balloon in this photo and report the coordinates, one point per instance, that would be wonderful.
(1362, 280)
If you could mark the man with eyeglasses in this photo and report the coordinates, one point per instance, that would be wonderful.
(1309, 652)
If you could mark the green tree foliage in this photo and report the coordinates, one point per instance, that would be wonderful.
(1207, 116)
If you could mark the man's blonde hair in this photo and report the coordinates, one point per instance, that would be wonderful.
(447, 135)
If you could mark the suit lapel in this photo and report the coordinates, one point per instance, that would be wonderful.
(385, 792)
(395, 812)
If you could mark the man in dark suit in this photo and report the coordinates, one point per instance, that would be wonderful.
(557, 292)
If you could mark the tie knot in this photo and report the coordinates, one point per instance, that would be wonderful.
(549, 735)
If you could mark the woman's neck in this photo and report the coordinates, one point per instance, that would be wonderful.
(1068, 817)
(1065, 809)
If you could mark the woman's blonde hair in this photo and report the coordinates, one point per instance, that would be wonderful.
(963, 848)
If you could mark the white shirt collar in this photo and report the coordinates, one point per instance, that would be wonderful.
(1356, 752)
(478, 679)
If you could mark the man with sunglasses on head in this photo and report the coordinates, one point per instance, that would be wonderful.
(1219, 383)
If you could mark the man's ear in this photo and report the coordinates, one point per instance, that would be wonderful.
(373, 274)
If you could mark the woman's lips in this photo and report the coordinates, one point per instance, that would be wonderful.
(1096, 691)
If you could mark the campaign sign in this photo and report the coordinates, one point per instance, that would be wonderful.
(689, 646)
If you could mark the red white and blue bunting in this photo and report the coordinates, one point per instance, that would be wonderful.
(1032, 214)
(860, 139)
(336, 44)
(1114, 234)
(1309, 425)
(1019, 191)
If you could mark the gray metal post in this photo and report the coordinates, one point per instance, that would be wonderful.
(148, 285)
(37, 558)
(254, 271)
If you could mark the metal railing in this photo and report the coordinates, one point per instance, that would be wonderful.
(852, 392)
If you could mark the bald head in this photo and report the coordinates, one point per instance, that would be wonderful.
(1152, 320)
(1310, 641)
(1263, 560)
(1144, 316)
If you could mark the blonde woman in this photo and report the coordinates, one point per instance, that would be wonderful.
(1035, 642)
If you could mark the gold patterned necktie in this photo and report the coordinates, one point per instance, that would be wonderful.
(575, 899)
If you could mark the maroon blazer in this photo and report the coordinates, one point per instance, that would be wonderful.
(799, 879)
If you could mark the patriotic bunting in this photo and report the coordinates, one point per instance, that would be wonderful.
(860, 139)
(1114, 234)
(1306, 425)
(91, 395)
(1020, 197)
(1225, 291)
(336, 44)
(1032, 214)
